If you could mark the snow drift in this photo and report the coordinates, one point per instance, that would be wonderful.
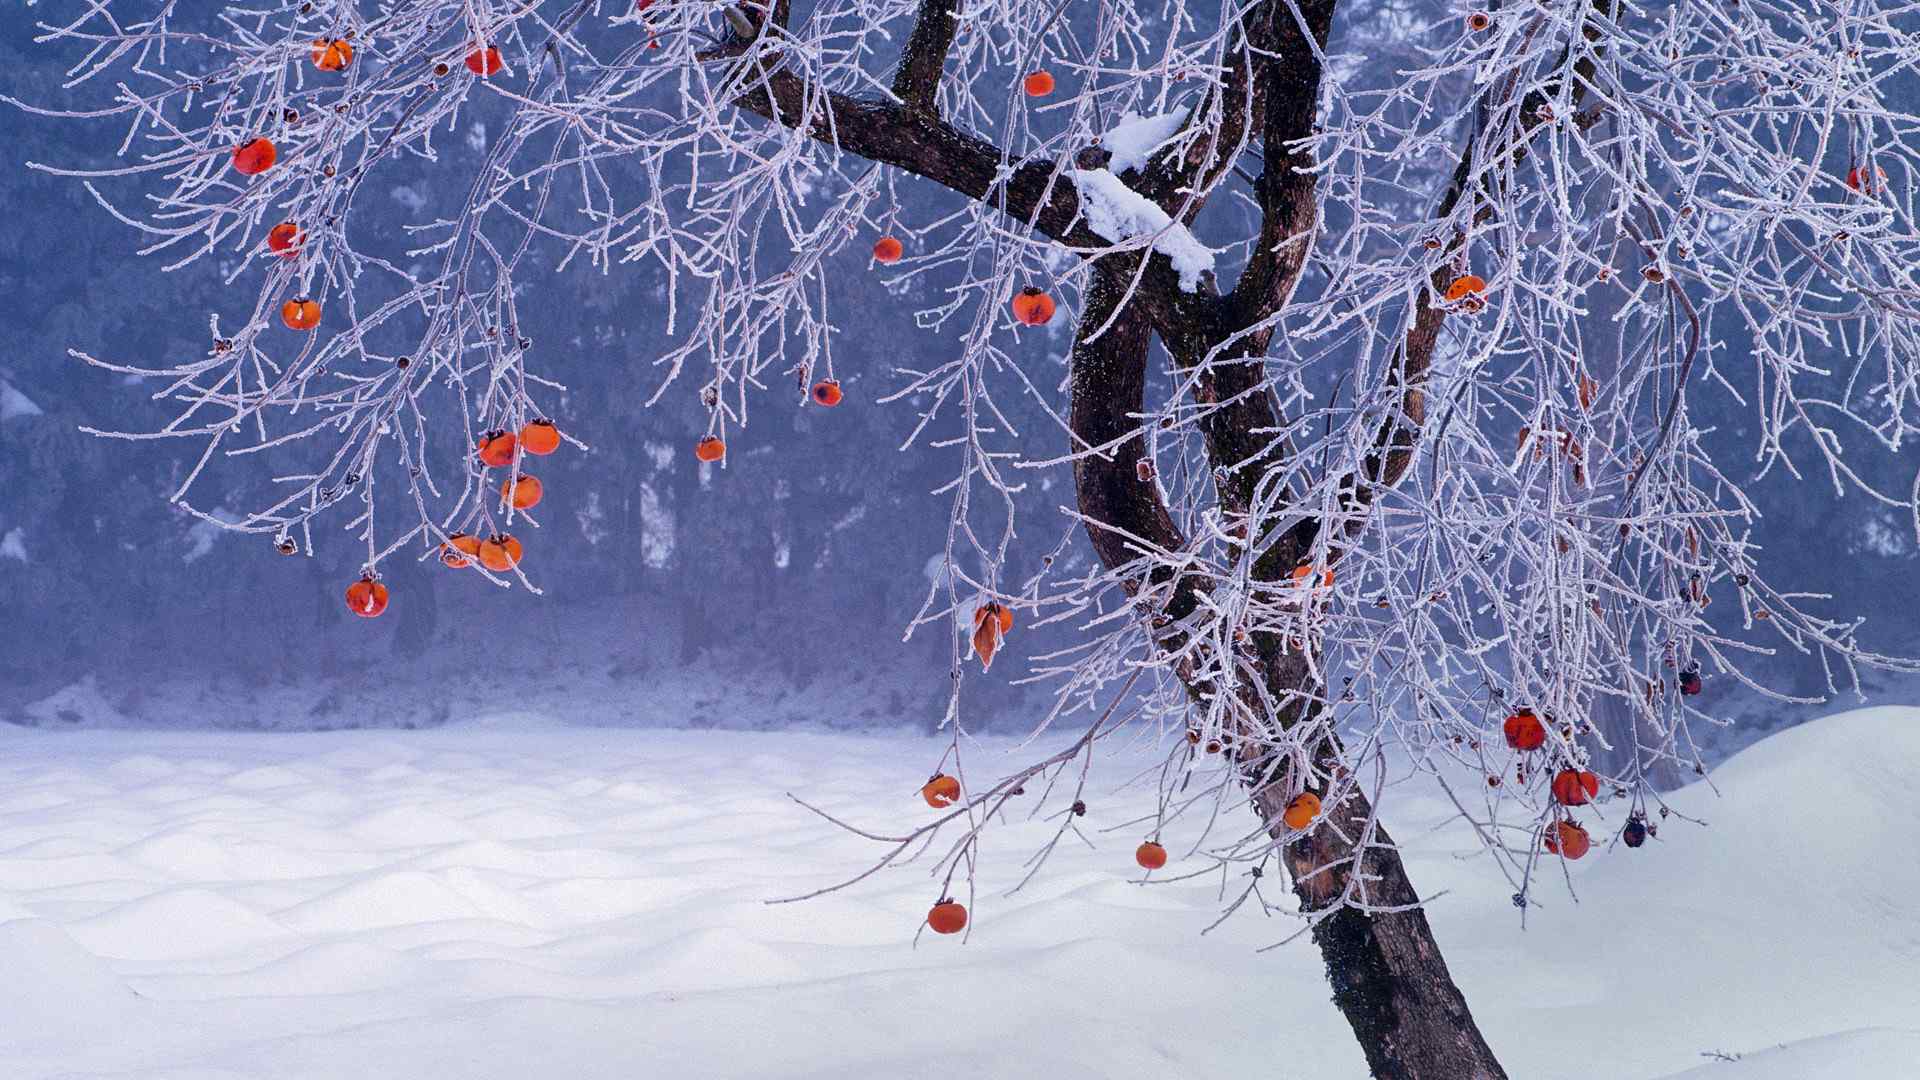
(500, 903)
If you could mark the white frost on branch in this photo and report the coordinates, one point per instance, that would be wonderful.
(1118, 213)
(1134, 140)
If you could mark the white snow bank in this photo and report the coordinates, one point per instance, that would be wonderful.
(501, 904)
(1118, 213)
(1788, 916)
(1814, 801)
(1868, 1054)
(1133, 140)
(51, 987)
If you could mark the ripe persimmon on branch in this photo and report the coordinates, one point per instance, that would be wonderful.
(1423, 296)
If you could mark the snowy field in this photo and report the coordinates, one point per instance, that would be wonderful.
(513, 900)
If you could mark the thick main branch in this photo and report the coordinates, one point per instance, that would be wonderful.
(1037, 194)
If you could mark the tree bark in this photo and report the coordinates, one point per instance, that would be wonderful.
(1389, 978)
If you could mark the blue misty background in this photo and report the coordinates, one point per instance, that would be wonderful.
(773, 593)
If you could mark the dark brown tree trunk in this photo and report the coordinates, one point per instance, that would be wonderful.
(1388, 976)
(1386, 969)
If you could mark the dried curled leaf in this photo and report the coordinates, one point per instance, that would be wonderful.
(990, 621)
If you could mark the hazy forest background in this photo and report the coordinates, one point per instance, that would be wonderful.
(770, 593)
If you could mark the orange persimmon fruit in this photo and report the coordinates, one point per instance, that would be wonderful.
(367, 598)
(484, 62)
(523, 493)
(495, 448)
(1466, 285)
(459, 550)
(1524, 730)
(300, 314)
(947, 917)
(1033, 307)
(1866, 181)
(710, 449)
(1567, 840)
(1304, 574)
(827, 392)
(887, 250)
(285, 238)
(1575, 787)
(540, 437)
(253, 158)
(500, 553)
(1150, 855)
(332, 55)
(1301, 810)
(940, 791)
(1038, 84)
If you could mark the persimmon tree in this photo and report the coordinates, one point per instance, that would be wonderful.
(1422, 296)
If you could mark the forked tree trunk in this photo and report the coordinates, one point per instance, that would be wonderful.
(1387, 973)
(1388, 976)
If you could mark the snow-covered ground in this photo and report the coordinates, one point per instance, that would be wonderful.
(518, 900)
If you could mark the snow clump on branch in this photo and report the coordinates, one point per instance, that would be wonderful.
(1118, 213)
(1134, 140)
